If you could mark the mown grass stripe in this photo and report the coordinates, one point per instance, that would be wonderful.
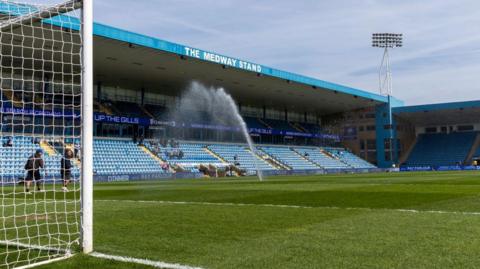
(403, 210)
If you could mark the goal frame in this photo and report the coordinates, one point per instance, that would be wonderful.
(86, 171)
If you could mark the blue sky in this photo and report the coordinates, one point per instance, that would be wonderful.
(329, 40)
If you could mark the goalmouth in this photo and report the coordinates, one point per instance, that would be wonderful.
(46, 132)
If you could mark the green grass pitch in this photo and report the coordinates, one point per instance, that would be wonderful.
(344, 221)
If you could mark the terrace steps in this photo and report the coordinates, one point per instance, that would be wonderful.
(473, 150)
(305, 158)
(103, 108)
(155, 157)
(209, 151)
(48, 148)
(264, 123)
(261, 159)
(405, 155)
(274, 161)
(147, 112)
(300, 127)
(296, 127)
(9, 94)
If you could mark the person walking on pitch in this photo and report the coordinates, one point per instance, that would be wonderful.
(34, 164)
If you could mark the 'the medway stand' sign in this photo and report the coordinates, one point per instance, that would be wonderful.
(212, 57)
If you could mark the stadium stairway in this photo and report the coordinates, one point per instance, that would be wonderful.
(335, 157)
(274, 163)
(406, 154)
(261, 159)
(236, 170)
(245, 159)
(103, 108)
(349, 159)
(9, 94)
(209, 151)
(295, 150)
(155, 157)
(147, 112)
(474, 150)
(287, 157)
(264, 123)
(274, 159)
(294, 126)
(299, 127)
(319, 157)
(328, 153)
(46, 147)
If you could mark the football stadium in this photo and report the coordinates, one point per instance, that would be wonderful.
(202, 160)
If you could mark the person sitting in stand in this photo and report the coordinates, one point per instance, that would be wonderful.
(165, 166)
(9, 143)
(76, 150)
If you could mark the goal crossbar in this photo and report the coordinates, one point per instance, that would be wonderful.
(41, 14)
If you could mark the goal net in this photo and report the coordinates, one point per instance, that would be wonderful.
(41, 132)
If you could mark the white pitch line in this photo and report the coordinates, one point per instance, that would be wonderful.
(402, 210)
(156, 264)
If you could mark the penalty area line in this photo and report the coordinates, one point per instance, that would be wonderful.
(401, 210)
(156, 264)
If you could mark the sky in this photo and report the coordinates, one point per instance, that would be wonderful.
(328, 40)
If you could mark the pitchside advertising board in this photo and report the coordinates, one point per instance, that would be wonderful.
(9, 115)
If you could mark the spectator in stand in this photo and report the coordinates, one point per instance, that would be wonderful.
(156, 149)
(9, 143)
(163, 142)
(165, 166)
(140, 142)
(180, 154)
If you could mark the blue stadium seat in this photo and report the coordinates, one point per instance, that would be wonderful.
(441, 149)
(116, 157)
(320, 158)
(349, 158)
(290, 158)
(13, 158)
(245, 159)
(194, 154)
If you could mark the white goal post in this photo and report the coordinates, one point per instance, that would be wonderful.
(87, 123)
(46, 131)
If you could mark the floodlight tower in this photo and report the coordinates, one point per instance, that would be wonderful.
(387, 41)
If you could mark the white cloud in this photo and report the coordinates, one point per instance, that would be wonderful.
(329, 40)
